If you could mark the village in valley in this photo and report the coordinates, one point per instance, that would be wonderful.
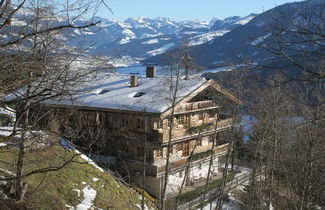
(156, 113)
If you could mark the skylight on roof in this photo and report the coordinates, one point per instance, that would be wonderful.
(139, 94)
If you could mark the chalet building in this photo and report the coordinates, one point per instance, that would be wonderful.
(132, 117)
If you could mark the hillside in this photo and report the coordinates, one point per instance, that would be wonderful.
(248, 41)
(79, 185)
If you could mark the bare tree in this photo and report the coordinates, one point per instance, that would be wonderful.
(36, 65)
(290, 115)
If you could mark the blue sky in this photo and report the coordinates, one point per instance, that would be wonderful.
(187, 9)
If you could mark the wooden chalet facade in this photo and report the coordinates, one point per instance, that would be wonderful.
(138, 130)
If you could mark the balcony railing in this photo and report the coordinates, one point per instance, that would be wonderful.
(196, 107)
(178, 133)
(218, 151)
(201, 105)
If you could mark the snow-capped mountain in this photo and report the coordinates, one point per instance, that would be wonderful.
(231, 22)
(244, 42)
(145, 37)
(139, 38)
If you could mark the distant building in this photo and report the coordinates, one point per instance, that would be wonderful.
(125, 111)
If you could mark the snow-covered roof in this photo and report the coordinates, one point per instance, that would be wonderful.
(113, 91)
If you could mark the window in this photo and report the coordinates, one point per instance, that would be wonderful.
(140, 152)
(87, 116)
(125, 147)
(140, 124)
(211, 113)
(125, 122)
(185, 147)
(109, 120)
(177, 119)
(99, 118)
(181, 119)
(189, 107)
(199, 142)
(179, 147)
(149, 156)
(200, 116)
(187, 121)
(211, 138)
(159, 152)
(159, 124)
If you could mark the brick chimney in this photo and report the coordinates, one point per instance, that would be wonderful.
(151, 70)
(134, 80)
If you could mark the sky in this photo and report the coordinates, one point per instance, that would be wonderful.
(186, 9)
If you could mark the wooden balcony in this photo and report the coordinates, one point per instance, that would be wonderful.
(153, 170)
(221, 149)
(218, 151)
(205, 128)
(196, 107)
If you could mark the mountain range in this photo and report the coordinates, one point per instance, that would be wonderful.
(248, 41)
(145, 37)
(212, 44)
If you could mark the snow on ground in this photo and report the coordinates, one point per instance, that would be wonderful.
(6, 131)
(89, 196)
(16, 22)
(233, 204)
(78, 191)
(226, 68)
(140, 70)
(151, 41)
(229, 68)
(7, 111)
(40, 138)
(90, 161)
(95, 179)
(161, 50)
(245, 20)
(243, 171)
(150, 35)
(7, 172)
(69, 206)
(145, 207)
(247, 122)
(124, 61)
(3, 144)
(70, 147)
(124, 41)
(260, 39)
(203, 38)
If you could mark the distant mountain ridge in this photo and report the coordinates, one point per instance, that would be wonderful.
(145, 37)
(241, 42)
(137, 38)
